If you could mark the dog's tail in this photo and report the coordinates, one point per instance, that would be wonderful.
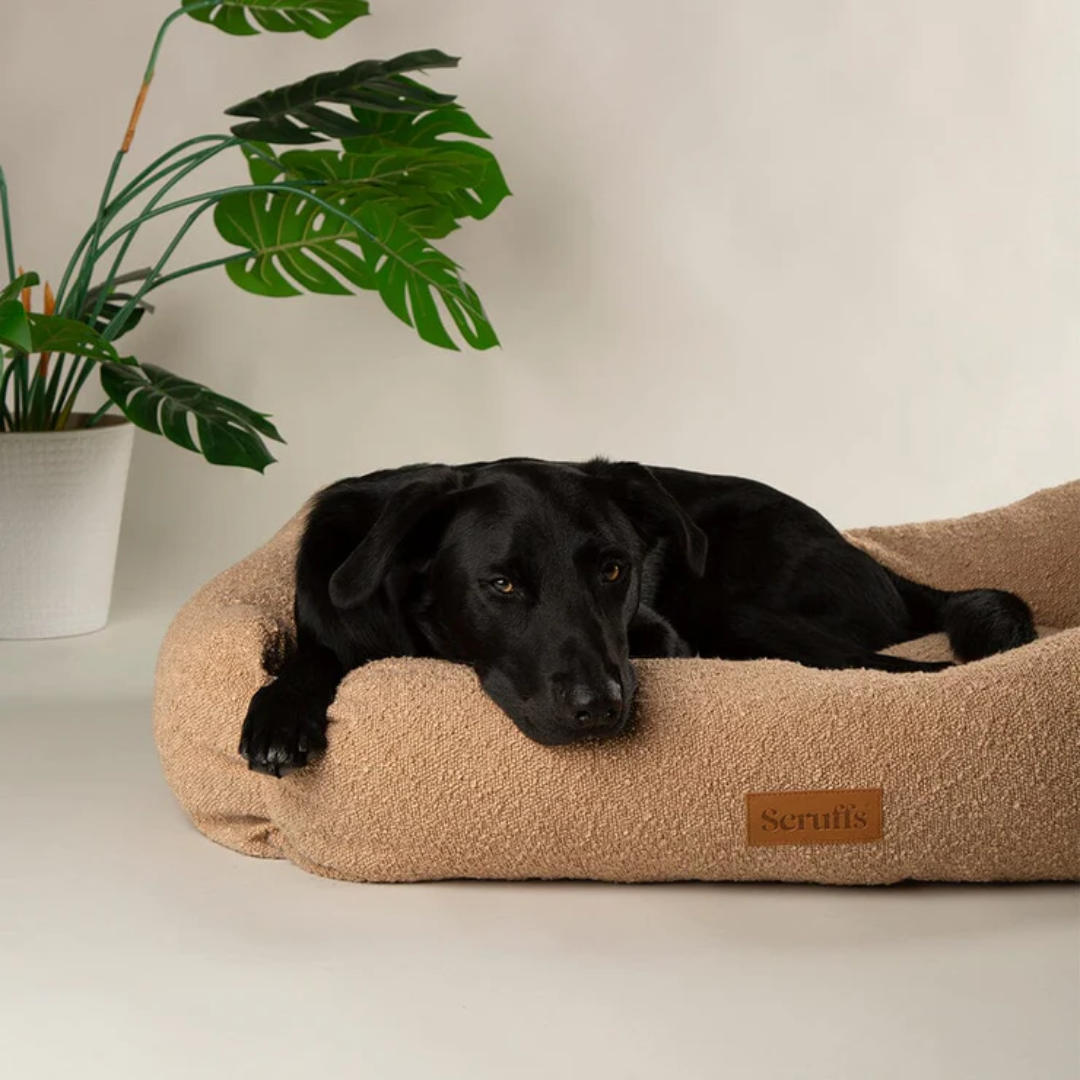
(978, 622)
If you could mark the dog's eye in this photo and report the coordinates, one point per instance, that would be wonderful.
(502, 585)
(611, 571)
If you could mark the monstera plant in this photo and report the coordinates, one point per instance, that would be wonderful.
(353, 176)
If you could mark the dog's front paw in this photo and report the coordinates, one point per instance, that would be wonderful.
(280, 731)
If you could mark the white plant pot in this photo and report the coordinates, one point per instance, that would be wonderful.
(61, 498)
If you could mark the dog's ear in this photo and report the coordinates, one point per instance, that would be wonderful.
(653, 511)
(407, 530)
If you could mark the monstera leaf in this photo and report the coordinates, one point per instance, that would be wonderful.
(410, 283)
(228, 433)
(405, 161)
(383, 131)
(331, 175)
(352, 181)
(299, 113)
(408, 172)
(289, 237)
(115, 304)
(429, 187)
(112, 307)
(319, 18)
(424, 170)
(294, 244)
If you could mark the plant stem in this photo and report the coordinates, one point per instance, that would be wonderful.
(5, 381)
(18, 376)
(151, 66)
(50, 390)
(203, 5)
(5, 218)
(92, 422)
(144, 180)
(194, 162)
(212, 197)
(62, 399)
(83, 280)
(35, 402)
(84, 369)
(121, 316)
(123, 279)
(209, 265)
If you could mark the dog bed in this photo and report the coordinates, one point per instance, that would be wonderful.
(735, 771)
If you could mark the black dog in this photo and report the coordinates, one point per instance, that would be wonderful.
(547, 578)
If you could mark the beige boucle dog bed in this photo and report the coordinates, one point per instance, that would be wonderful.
(975, 772)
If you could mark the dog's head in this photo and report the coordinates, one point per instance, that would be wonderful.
(531, 573)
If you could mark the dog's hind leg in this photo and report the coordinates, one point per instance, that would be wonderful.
(745, 632)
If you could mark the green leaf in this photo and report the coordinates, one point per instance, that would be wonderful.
(227, 432)
(51, 333)
(331, 176)
(434, 170)
(288, 234)
(447, 129)
(383, 131)
(430, 187)
(299, 113)
(263, 164)
(23, 281)
(319, 18)
(416, 275)
(396, 129)
(115, 303)
(112, 307)
(296, 244)
(14, 326)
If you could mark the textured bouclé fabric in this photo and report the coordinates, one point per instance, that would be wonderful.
(978, 766)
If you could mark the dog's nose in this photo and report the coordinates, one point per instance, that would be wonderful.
(596, 706)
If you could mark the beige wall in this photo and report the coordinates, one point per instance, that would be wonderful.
(832, 245)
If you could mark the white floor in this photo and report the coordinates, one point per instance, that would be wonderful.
(130, 947)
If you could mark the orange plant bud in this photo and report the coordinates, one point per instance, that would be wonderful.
(50, 307)
(25, 296)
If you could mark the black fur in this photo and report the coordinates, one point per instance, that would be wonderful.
(603, 562)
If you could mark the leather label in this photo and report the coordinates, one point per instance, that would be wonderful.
(813, 817)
